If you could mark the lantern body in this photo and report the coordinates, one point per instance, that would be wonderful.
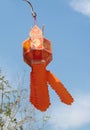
(37, 49)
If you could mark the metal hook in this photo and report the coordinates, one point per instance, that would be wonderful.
(32, 10)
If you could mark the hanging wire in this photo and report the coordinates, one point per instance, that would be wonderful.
(32, 10)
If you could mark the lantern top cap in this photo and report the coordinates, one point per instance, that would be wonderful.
(36, 32)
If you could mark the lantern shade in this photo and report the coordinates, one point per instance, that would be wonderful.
(37, 49)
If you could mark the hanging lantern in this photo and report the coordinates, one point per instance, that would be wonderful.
(37, 50)
(37, 53)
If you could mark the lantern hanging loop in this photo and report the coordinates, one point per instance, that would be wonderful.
(32, 10)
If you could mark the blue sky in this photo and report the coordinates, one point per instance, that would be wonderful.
(67, 26)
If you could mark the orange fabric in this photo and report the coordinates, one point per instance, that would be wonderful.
(62, 92)
(39, 96)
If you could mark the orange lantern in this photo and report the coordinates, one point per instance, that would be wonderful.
(37, 49)
(37, 53)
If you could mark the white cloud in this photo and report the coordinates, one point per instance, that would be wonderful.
(74, 116)
(82, 6)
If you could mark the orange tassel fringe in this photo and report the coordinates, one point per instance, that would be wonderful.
(39, 96)
(39, 90)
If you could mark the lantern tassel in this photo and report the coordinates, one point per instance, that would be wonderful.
(39, 96)
(61, 91)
